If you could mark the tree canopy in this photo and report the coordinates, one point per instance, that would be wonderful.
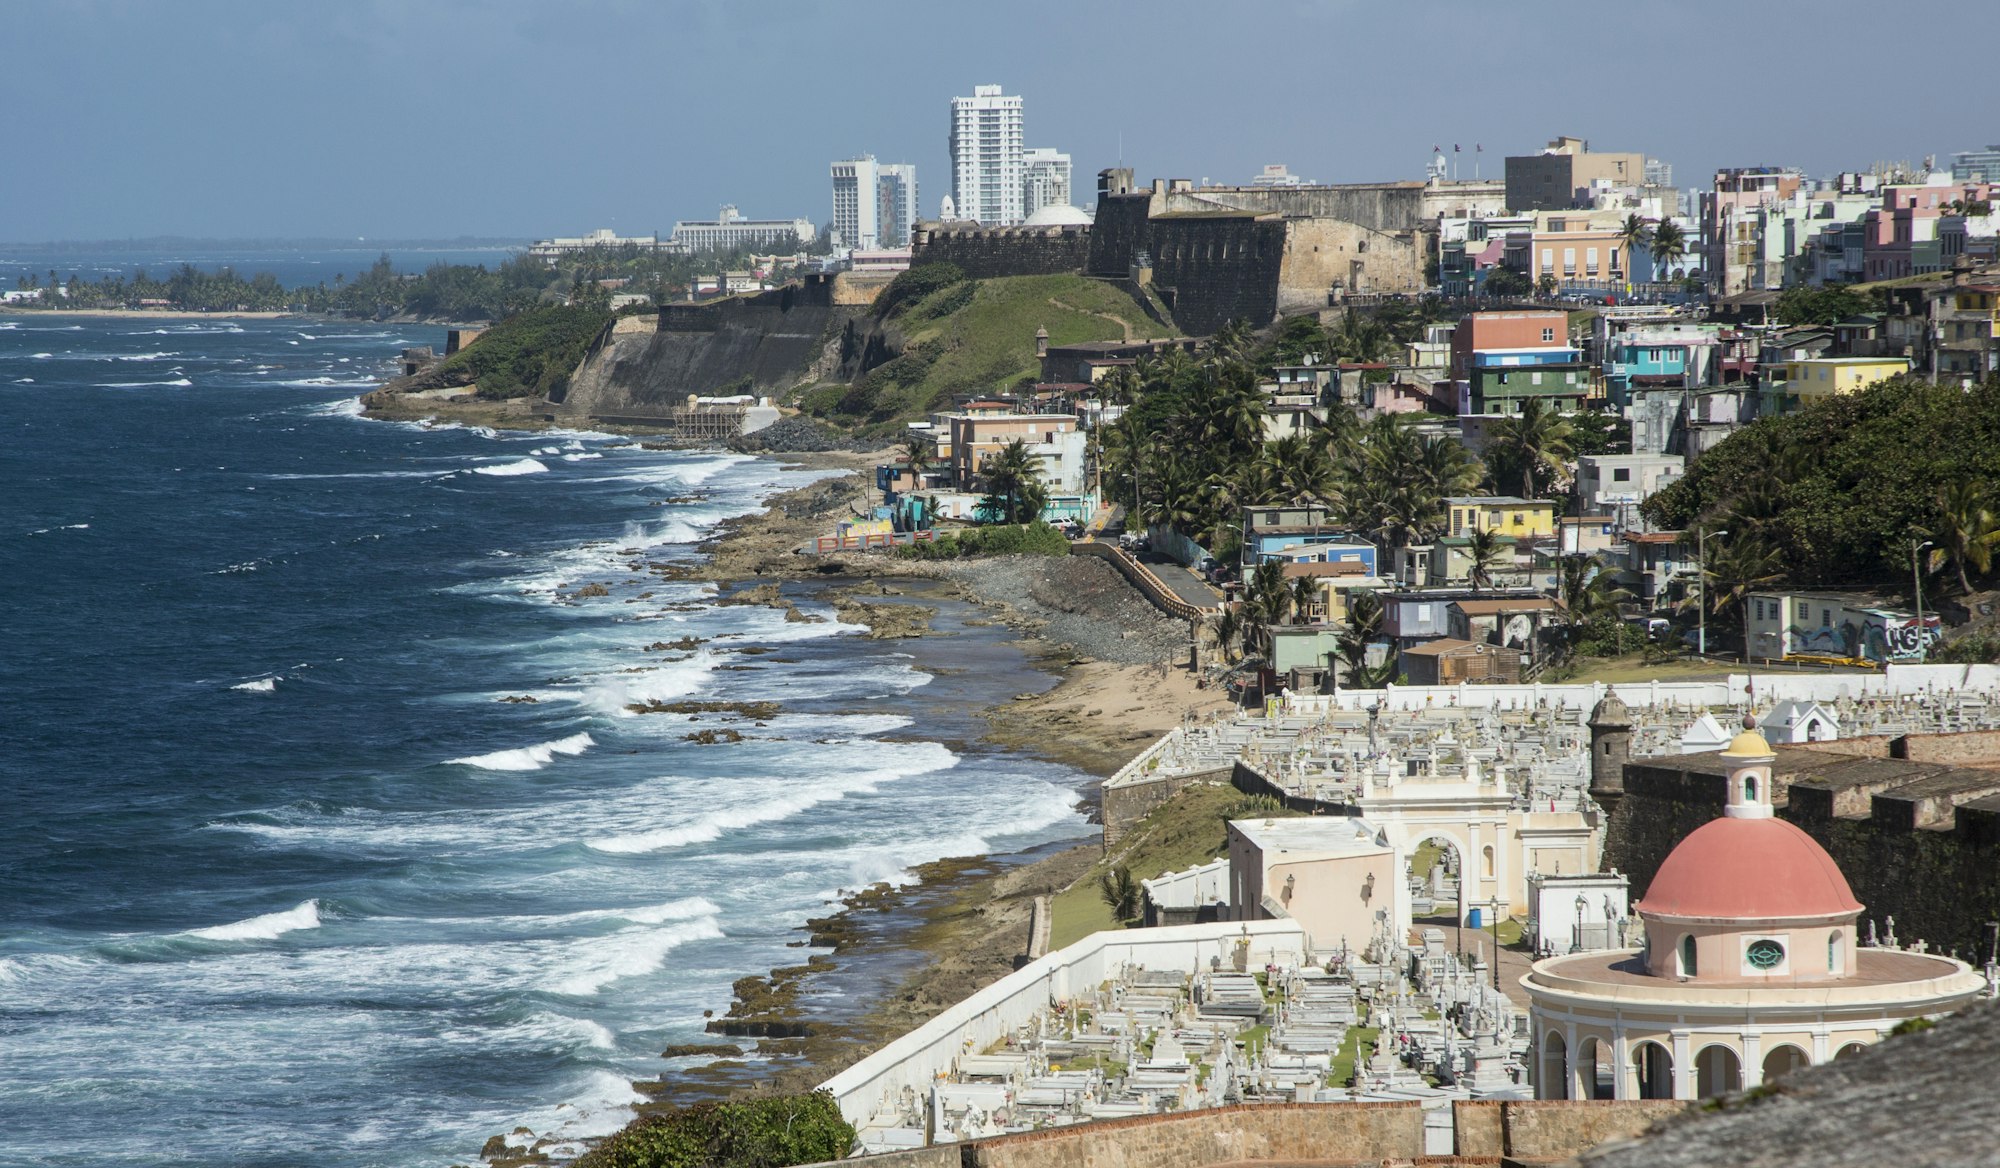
(1838, 490)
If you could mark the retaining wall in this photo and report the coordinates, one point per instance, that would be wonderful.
(975, 1023)
(1141, 578)
(1544, 1130)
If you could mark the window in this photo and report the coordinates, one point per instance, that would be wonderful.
(1750, 790)
(1805, 610)
(1687, 956)
(1764, 955)
(1833, 953)
(1622, 474)
(1548, 334)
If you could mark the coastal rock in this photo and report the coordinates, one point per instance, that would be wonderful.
(683, 645)
(712, 737)
(885, 621)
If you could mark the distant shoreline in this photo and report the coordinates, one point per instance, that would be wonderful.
(156, 313)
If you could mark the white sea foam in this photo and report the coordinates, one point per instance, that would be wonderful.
(42, 356)
(528, 758)
(524, 466)
(24, 381)
(268, 927)
(345, 407)
(260, 685)
(626, 953)
(149, 356)
(780, 803)
(325, 382)
(611, 693)
(581, 455)
(178, 382)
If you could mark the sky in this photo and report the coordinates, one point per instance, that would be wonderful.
(404, 119)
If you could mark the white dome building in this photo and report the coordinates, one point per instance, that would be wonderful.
(1057, 215)
(1751, 969)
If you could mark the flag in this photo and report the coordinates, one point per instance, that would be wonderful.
(1478, 148)
(1454, 147)
(1436, 149)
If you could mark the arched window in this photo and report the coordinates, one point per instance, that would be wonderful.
(1750, 790)
(1833, 953)
(1486, 855)
(1687, 956)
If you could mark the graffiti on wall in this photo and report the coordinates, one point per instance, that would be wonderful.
(1890, 639)
(1878, 637)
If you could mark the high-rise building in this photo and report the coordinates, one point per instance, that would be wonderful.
(856, 206)
(987, 176)
(1045, 180)
(896, 203)
(1976, 165)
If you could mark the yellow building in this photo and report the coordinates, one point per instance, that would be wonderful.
(1830, 376)
(1504, 515)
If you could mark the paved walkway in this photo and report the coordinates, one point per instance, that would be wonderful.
(1181, 582)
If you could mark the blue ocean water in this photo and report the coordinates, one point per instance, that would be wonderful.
(285, 881)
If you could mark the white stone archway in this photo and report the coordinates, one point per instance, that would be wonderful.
(1780, 1061)
(1717, 1071)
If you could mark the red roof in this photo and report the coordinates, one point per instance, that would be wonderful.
(1749, 870)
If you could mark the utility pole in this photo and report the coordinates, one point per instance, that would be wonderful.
(1917, 579)
(1701, 581)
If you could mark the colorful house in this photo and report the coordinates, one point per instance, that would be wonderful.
(1506, 514)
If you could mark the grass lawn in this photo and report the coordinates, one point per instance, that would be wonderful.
(1186, 830)
(1354, 1051)
(1633, 667)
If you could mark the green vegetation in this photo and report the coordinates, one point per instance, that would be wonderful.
(770, 1131)
(1121, 894)
(1034, 539)
(972, 336)
(1836, 493)
(530, 354)
(1829, 305)
(1186, 830)
(1190, 452)
(1354, 1051)
(442, 291)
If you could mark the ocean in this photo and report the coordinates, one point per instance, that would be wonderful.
(287, 880)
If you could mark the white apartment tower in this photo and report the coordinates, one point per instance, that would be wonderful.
(987, 176)
(856, 203)
(1045, 181)
(896, 203)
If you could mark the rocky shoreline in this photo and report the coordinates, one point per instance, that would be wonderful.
(964, 920)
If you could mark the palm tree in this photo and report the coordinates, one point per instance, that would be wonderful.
(1635, 234)
(1298, 468)
(1120, 387)
(1745, 563)
(1227, 630)
(1364, 624)
(1305, 597)
(1121, 893)
(1485, 551)
(1013, 478)
(919, 452)
(1547, 285)
(1533, 440)
(1969, 531)
(1264, 604)
(1669, 246)
(1588, 594)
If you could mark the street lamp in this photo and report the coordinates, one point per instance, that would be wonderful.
(1576, 939)
(1701, 582)
(1917, 579)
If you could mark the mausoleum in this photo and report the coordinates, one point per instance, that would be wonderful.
(1751, 968)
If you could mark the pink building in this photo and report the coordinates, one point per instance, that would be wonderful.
(1901, 238)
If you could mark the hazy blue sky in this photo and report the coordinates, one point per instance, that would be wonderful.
(411, 118)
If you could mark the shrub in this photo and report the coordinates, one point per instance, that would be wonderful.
(916, 284)
(530, 354)
(771, 1131)
(1034, 539)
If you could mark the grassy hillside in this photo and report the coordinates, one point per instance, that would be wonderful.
(977, 335)
(530, 354)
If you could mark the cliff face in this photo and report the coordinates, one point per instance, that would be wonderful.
(775, 340)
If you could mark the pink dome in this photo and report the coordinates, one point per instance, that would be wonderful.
(1749, 870)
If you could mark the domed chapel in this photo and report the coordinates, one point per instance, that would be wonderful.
(1752, 967)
